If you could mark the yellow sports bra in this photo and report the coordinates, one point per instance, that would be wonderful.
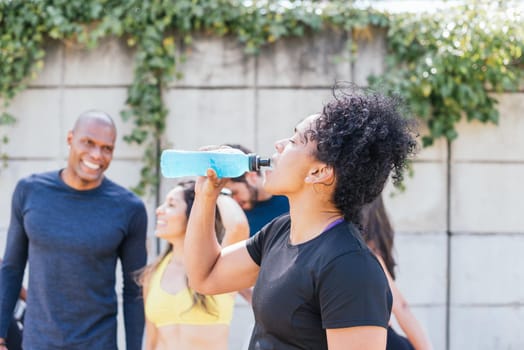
(162, 308)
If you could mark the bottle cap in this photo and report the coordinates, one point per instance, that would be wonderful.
(264, 162)
(255, 162)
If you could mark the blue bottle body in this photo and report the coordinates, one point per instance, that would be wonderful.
(179, 163)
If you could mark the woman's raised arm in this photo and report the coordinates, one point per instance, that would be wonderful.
(211, 269)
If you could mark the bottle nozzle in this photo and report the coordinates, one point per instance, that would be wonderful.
(255, 162)
(264, 162)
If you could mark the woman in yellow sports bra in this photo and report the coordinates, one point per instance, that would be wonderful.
(176, 316)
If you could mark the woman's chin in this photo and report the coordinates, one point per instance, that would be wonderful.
(161, 234)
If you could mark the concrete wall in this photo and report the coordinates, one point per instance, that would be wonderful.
(460, 228)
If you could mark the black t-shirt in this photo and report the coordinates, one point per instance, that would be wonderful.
(331, 281)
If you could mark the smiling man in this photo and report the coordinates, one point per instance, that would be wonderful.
(72, 226)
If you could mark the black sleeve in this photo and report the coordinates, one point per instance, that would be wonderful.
(254, 246)
(353, 291)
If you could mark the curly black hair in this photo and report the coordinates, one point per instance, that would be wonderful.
(364, 136)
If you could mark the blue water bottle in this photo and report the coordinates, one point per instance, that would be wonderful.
(225, 162)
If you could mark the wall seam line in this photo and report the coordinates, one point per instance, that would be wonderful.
(448, 245)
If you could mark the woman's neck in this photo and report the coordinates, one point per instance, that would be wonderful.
(178, 249)
(310, 218)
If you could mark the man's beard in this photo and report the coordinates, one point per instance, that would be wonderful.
(253, 195)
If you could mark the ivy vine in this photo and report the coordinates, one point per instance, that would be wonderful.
(444, 64)
(447, 64)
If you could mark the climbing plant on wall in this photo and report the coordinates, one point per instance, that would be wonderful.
(448, 64)
(443, 65)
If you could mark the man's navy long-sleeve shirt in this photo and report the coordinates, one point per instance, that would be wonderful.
(72, 241)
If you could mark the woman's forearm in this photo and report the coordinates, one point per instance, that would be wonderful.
(412, 328)
(201, 248)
